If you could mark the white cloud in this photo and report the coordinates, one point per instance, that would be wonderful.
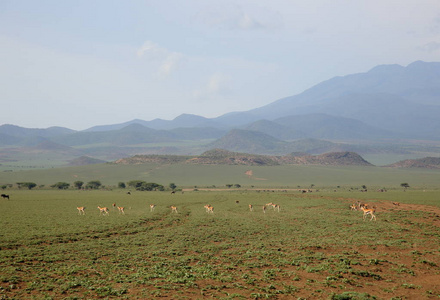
(216, 85)
(167, 60)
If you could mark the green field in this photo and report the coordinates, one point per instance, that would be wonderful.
(190, 175)
(314, 248)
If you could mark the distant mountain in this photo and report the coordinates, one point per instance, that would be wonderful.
(182, 121)
(403, 100)
(324, 126)
(16, 131)
(129, 135)
(250, 141)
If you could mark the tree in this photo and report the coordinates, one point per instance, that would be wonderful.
(172, 186)
(229, 185)
(405, 185)
(136, 183)
(78, 184)
(61, 185)
(94, 184)
(121, 185)
(237, 185)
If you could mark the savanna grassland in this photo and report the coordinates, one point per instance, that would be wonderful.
(315, 247)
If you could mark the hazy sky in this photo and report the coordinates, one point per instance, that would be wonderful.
(78, 63)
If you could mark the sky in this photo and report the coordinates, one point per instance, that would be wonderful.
(82, 63)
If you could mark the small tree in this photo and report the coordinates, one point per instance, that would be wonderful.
(172, 186)
(61, 185)
(121, 185)
(229, 185)
(78, 184)
(237, 185)
(405, 185)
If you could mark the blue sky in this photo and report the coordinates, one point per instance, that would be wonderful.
(78, 63)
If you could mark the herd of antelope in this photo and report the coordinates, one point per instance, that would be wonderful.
(357, 206)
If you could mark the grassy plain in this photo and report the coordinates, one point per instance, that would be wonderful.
(314, 248)
(190, 175)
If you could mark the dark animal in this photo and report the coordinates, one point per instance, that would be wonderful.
(4, 196)
(173, 192)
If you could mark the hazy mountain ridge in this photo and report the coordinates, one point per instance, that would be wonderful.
(386, 104)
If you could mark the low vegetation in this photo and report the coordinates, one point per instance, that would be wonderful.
(313, 247)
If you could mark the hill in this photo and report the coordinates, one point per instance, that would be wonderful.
(225, 157)
(426, 162)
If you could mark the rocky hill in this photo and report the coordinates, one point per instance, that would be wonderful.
(224, 157)
(426, 162)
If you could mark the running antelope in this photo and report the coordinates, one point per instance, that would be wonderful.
(121, 210)
(251, 208)
(81, 210)
(173, 209)
(103, 210)
(152, 207)
(368, 211)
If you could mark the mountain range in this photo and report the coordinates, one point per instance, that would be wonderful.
(359, 112)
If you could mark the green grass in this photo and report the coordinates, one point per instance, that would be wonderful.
(314, 248)
(219, 175)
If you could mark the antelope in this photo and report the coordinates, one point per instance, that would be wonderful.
(121, 210)
(114, 205)
(276, 207)
(173, 209)
(209, 209)
(103, 210)
(264, 208)
(152, 206)
(251, 208)
(353, 207)
(368, 211)
(81, 210)
(396, 203)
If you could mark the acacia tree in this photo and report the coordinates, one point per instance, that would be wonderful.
(78, 184)
(61, 185)
(405, 185)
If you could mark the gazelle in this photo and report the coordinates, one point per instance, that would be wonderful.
(173, 209)
(276, 207)
(103, 210)
(152, 207)
(251, 208)
(353, 207)
(368, 211)
(209, 209)
(264, 208)
(114, 205)
(121, 210)
(81, 210)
